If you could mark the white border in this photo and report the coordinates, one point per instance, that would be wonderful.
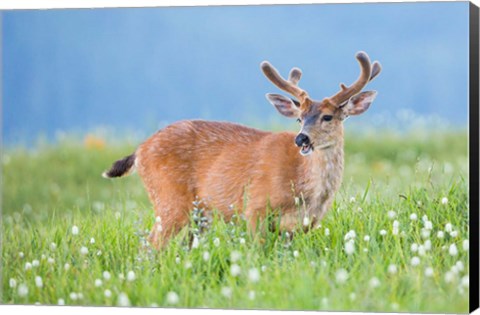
(55, 4)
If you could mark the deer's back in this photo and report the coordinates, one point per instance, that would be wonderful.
(216, 161)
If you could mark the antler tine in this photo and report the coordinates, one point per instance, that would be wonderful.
(295, 75)
(365, 76)
(288, 86)
(376, 68)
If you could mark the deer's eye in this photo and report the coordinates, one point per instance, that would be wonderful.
(327, 117)
(299, 120)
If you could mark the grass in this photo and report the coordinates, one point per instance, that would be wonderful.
(49, 190)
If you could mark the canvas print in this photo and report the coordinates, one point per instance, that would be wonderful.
(285, 157)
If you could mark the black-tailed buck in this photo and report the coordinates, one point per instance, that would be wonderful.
(225, 164)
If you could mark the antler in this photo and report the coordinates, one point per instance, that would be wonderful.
(289, 86)
(368, 73)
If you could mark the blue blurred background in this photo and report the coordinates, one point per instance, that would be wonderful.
(139, 69)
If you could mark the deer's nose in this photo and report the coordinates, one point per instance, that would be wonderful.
(302, 139)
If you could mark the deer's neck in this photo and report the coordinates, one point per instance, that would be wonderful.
(323, 176)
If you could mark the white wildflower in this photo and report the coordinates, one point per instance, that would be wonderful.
(12, 283)
(251, 295)
(306, 221)
(99, 253)
(188, 264)
(413, 217)
(206, 256)
(92, 240)
(242, 241)
(465, 281)
(106, 275)
(38, 282)
(427, 245)
(392, 269)
(123, 300)
(130, 276)
(121, 276)
(263, 268)
(22, 290)
(391, 214)
(428, 225)
(296, 253)
(465, 245)
(449, 276)
(425, 233)
(383, 232)
(53, 246)
(73, 296)
(235, 270)
(366, 238)
(414, 247)
(452, 250)
(83, 250)
(444, 200)
(341, 275)
(66, 266)
(440, 234)
(253, 275)
(28, 266)
(448, 227)
(327, 232)
(35, 263)
(374, 282)
(195, 242)
(429, 272)
(75, 230)
(454, 234)
(21, 254)
(421, 250)
(235, 256)
(98, 283)
(177, 260)
(61, 302)
(352, 199)
(460, 265)
(158, 219)
(226, 292)
(107, 293)
(349, 247)
(216, 242)
(172, 298)
(424, 218)
(395, 228)
(50, 260)
(415, 261)
(350, 235)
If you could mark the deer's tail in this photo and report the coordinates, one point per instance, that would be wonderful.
(121, 167)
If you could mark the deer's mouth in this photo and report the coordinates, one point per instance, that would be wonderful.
(306, 149)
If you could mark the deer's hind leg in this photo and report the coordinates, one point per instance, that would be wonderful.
(171, 216)
(172, 203)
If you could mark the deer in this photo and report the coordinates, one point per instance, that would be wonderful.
(237, 169)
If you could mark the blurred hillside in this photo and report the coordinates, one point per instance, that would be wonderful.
(138, 69)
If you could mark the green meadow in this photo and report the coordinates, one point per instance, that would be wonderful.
(396, 238)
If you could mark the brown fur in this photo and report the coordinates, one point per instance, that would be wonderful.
(234, 168)
(223, 163)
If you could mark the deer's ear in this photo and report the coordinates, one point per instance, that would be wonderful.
(284, 105)
(359, 103)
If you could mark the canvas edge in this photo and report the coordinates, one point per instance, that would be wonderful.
(474, 159)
